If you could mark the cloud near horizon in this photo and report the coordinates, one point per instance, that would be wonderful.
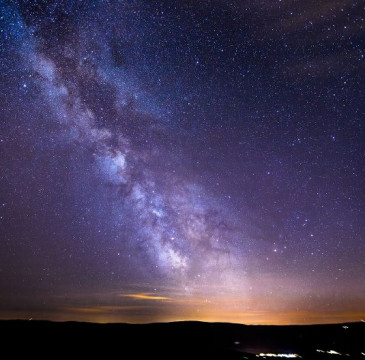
(147, 296)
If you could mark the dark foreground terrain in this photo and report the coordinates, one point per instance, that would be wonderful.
(190, 340)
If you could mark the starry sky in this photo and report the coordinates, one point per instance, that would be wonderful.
(175, 160)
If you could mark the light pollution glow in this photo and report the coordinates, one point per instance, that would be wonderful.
(147, 308)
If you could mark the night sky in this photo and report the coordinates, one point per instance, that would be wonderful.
(174, 160)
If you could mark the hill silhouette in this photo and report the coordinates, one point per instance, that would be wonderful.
(190, 340)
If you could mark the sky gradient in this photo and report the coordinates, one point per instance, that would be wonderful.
(175, 160)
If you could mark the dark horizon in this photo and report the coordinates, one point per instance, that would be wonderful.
(178, 322)
(195, 340)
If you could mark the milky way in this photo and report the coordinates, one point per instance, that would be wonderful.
(178, 160)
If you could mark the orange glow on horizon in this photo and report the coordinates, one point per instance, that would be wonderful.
(140, 314)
